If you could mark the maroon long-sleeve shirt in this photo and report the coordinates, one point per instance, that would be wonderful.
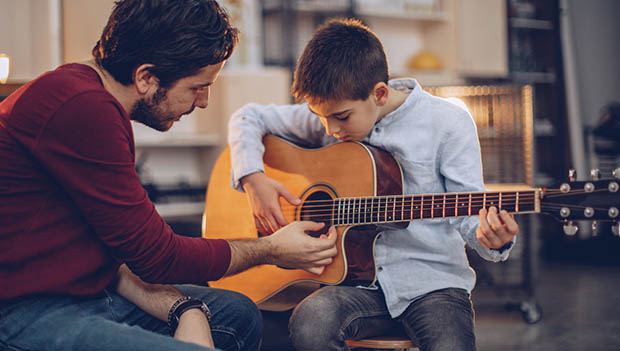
(71, 204)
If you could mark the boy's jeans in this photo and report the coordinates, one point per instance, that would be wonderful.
(440, 320)
(109, 322)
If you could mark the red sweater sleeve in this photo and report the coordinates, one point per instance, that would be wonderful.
(87, 146)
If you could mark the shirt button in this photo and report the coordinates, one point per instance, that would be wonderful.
(380, 269)
(377, 129)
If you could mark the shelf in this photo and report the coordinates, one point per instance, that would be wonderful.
(543, 128)
(527, 23)
(533, 77)
(180, 209)
(412, 16)
(177, 140)
(431, 78)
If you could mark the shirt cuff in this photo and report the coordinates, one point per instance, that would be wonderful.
(506, 247)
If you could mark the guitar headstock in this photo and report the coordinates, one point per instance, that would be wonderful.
(594, 200)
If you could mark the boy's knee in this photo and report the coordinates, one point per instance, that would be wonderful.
(315, 323)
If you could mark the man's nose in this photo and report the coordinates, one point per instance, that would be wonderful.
(202, 99)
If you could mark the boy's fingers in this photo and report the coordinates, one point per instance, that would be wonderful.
(509, 221)
(292, 199)
(280, 219)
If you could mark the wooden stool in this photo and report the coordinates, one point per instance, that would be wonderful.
(383, 343)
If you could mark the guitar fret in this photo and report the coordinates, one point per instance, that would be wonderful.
(484, 200)
(443, 212)
(385, 211)
(499, 206)
(422, 207)
(469, 206)
(517, 203)
(432, 206)
(456, 208)
(365, 210)
(333, 210)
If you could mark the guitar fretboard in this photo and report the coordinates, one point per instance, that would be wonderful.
(404, 208)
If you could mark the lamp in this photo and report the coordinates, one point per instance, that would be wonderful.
(5, 65)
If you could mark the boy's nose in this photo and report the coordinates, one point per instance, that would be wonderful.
(332, 127)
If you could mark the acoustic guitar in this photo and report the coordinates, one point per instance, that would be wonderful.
(358, 189)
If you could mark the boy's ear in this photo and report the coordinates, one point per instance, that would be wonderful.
(380, 93)
(144, 80)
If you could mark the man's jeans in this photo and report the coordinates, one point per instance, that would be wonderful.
(109, 322)
(440, 320)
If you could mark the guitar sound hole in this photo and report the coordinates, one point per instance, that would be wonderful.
(317, 207)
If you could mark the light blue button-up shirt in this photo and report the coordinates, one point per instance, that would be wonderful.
(436, 143)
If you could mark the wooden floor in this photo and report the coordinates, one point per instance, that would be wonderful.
(580, 304)
(581, 311)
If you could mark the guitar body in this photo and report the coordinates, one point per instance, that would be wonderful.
(341, 170)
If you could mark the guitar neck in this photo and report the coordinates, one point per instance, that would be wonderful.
(405, 208)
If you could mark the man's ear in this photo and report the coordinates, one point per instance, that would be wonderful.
(380, 93)
(144, 80)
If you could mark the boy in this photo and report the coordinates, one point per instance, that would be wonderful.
(423, 273)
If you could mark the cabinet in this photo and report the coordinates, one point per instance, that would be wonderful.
(535, 58)
(444, 28)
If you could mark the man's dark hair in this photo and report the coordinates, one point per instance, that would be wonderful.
(343, 60)
(178, 37)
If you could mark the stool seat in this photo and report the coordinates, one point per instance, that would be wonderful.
(383, 343)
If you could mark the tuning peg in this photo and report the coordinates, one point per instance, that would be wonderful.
(615, 228)
(595, 174)
(595, 228)
(572, 174)
(616, 173)
(570, 228)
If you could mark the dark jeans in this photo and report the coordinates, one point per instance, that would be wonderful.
(110, 322)
(440, 320)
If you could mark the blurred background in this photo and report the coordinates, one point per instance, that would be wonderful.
(540, 77)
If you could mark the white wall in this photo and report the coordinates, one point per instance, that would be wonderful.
(30, 33)
(591, 48)
(596, 40)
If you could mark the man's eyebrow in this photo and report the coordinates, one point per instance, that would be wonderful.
(335, 114)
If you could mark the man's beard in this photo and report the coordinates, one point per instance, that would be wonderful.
(149, 112)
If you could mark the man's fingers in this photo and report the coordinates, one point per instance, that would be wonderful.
(308, 225)
(315, 270)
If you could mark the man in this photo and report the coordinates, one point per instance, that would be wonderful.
(79, 236)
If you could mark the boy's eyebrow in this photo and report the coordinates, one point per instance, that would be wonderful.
(203, 84)
(335, 114)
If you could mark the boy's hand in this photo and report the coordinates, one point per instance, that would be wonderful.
(496, 230)
(293, 248)
(264, 196)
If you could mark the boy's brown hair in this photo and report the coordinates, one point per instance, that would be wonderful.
(343, 60)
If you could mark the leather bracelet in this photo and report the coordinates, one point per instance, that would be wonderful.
(182, 305)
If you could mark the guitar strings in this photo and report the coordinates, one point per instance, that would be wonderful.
(367, 217)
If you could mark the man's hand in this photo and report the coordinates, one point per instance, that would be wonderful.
(157, 299)
(293, 248)
(264, 196)
(496, 230)
(289, 247)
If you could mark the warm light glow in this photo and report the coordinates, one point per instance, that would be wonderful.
(5, 63)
